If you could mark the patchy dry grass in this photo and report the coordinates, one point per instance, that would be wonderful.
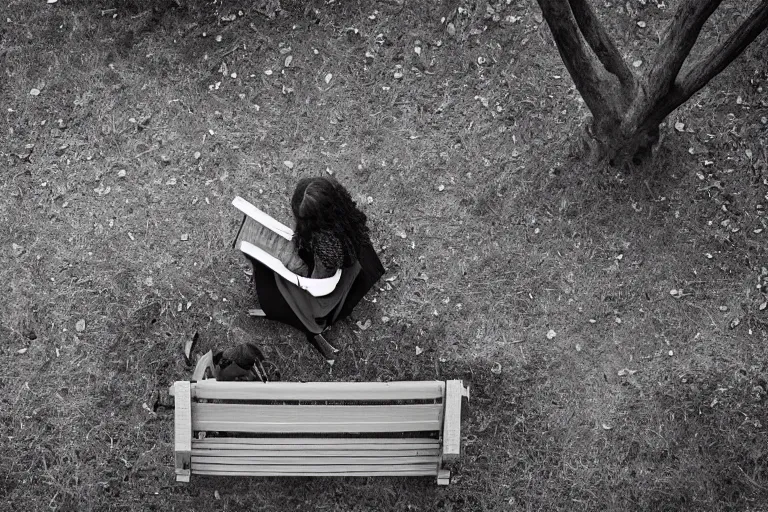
(495, 233)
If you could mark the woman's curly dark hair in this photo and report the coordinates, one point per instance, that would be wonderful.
(322, 204)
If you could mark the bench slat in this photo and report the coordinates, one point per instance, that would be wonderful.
(335, 442)
(420, 472)
(315, 418)
(301, 470)
(299, 391)
(314, 461)
(316, 453)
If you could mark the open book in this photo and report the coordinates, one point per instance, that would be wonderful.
(269, 242)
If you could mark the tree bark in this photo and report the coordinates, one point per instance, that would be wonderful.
(601, 43)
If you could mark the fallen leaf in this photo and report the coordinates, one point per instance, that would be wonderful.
(419, 351)
(216, 495)
(626, 371)
(637, 63)
(551, 334)
(641, 24)
(364, 326)
(762, 306)
(606, 426)
(102, 190)
(288, 60)
(121, 173)
(80, 325)
(184, 238)
(21, 351)
(288, 164)
(496, 368)
(679, 126)
(197, 155)
(451, 29)
(34, 92)
(17, 250)
(328, 78)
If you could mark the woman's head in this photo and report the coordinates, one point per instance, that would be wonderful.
(314, 197)
(323, 204)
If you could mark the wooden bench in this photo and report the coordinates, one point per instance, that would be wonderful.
(317, 428)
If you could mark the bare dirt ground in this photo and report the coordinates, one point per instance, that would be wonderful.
(612, 326)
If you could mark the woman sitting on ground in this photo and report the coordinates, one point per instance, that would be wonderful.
(331, 234)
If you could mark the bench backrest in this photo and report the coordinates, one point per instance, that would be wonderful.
(317, 407)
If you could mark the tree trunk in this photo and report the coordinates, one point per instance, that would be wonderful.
(621, 149)
(628, 109)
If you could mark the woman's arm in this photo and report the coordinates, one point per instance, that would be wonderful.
(294, 263)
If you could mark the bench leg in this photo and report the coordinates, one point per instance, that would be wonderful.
(443, 477)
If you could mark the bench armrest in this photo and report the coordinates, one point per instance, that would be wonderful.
(454, 391)
(183, 430)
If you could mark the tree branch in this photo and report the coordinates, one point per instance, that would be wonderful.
(707, 67)
(600, 42)
(680, 37)
(581, 64)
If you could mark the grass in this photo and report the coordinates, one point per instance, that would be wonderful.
(522, 239)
